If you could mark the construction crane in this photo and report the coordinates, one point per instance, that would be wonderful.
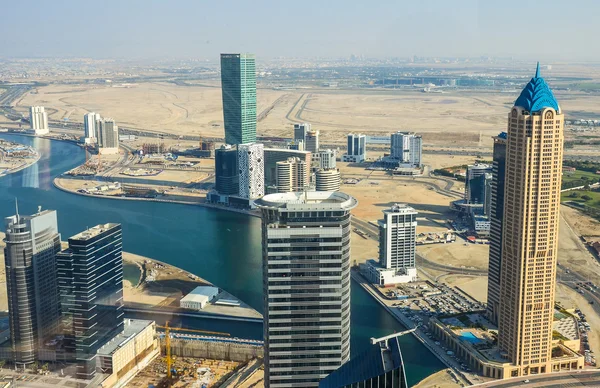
(168, 330)
(387, 337)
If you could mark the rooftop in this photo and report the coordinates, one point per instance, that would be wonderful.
(399, 208)
(132, 328)
(93, 231)
(308, 200)
(537, 95)
(200, 293)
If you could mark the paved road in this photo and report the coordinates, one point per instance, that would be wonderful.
(587, 378)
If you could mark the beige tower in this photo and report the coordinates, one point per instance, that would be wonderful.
(530, 229)
(291, 175)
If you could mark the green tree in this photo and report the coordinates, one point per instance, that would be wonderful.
(586, 197)
(574, 194)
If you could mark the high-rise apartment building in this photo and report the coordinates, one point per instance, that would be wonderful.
(33, 301)
(274, 155)
(407, 148)
(306, 282)
(38, 119)
(108, 136)
(311, 141)
(296, 145)
(357, 149)
(90, 279)
(300, 131)
(292, 175)
(238, 87)
(496, 214)
(226, 170)
(328, 180)
(90, 127)
(251, 163)
(534, 154)
(398, 238)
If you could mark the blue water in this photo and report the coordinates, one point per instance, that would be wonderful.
(470, 337)
(219, 246)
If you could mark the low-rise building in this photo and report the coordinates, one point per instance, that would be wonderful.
(381, 276)
(129, 352)
(199, 297)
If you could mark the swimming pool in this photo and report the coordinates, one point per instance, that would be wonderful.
(470, 337)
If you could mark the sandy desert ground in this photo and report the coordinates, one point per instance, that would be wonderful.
(451, 119)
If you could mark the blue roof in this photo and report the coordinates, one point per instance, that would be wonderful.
(537, 95)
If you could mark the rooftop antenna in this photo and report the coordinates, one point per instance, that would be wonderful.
(537, 70)
(39, 208)
(17, 208)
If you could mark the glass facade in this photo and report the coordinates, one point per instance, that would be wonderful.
(238, 86)
(90, 275)
(226, 171)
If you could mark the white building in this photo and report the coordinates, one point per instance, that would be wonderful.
(108, 136)
(311, 141)
(199, 297)
(397, 243)
(251, 162)
(379, 275)
(38, 118)
(291, 175)
(325, 159)
(328, 180)
(357, 149)
(407, 148)
(90, 127)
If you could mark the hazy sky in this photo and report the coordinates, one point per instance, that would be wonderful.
(546, 30)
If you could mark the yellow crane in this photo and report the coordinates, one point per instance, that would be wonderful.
(168, 330)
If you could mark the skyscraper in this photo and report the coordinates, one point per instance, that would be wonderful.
(534, 150)
(251, 163)
(90, 274)
(33, 301)
(226, 171)
(306, 282)
(311, 142)
(108, 136)
(238, 86)
(328, 179)
(300, 131)
(274, 155)
(357, 148)
(407, 148)
(90, 126)
(326, 159)
(38, 119)
(398, 239)
(292, 175)
(496, 214)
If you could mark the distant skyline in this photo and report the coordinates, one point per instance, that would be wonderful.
(151, 29)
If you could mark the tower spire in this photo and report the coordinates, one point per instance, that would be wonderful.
(537, 70)
(17, 208)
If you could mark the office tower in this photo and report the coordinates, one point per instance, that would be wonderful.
(251, 162)
(297, 145)
(398, 239)
(90, 280)
(300, 131)
(328, 180)
(31, 285)
(325, 159)
(475, 183)
(274, 155)
(238, 87)
(108, 136)
(534, 149)
(496, 213)
(292, 175)
(306, 282)
(90, 126)
(379, 366)
(407, 148)
(38, 118)
(357, 149)
(311, 142)
(226, 171)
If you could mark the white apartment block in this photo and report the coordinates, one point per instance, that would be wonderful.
(39, 120)
(251, 162)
